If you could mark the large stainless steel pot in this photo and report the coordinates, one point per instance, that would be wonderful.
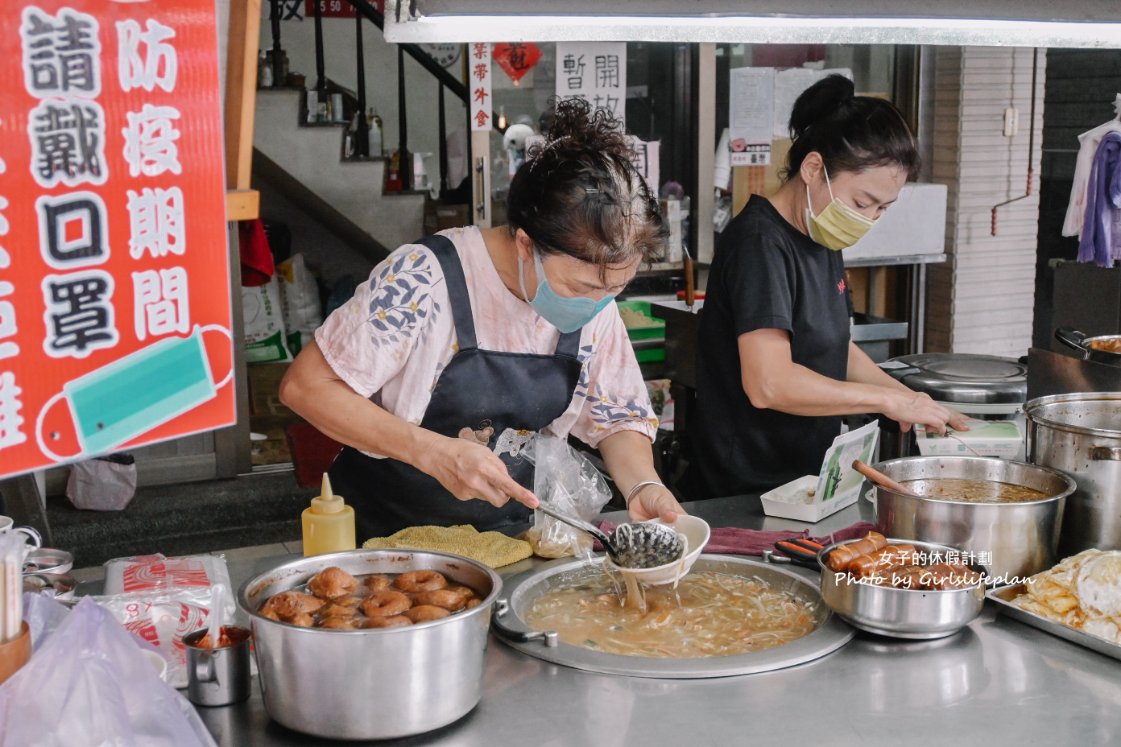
(901, 613)
(372, 684)
(1080, 434)
(1086, 345)
(1008, 540)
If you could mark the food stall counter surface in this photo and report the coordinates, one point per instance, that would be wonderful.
(996, 679)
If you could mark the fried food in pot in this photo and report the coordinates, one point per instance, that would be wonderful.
(332, 583)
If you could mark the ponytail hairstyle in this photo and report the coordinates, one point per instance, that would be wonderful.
(852, 133)
(579, 193)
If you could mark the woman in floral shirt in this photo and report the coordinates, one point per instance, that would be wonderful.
(462, 346)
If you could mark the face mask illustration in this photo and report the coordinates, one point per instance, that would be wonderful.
(130, 396)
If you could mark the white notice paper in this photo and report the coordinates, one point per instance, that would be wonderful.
(751, 113)
(595, 71)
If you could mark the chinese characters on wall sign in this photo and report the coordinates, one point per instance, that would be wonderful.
(478, 86)
(113, 254)
(596, 71)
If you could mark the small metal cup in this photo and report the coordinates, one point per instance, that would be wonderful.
(218, 676)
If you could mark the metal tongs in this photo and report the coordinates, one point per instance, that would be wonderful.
(632, 545)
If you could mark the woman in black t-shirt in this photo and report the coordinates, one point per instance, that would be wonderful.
(777, 366)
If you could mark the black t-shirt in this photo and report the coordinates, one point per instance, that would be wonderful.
(766, 274)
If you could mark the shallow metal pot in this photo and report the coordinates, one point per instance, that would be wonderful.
(1078, 341)
(1080, 435)
(900, 613)
(1021, 538)
(526, 588)
(378, 683)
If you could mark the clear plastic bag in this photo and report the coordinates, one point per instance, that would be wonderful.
(162, 599)
(90, 683)
(567, 480)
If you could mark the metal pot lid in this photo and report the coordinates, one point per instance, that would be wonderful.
(962, 377)
(522, 590)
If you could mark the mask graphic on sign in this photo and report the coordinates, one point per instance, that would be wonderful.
(130, 396)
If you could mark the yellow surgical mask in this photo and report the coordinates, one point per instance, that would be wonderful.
(838, 226)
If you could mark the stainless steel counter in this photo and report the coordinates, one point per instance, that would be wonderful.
(997, 681)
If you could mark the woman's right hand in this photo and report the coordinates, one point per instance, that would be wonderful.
(469, 470)
(909, 408)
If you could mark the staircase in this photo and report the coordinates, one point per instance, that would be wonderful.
(309, 159)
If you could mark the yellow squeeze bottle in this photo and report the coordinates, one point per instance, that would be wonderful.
(328, 524)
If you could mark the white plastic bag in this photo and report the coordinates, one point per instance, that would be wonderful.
(103, 483)
(43, 616)
(264, 323)
(91, 684)
(565, 479)
(162, 599)
(299, 299)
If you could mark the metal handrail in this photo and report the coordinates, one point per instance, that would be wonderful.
(423, 58)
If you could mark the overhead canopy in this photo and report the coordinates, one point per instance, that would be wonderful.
(1023, 23)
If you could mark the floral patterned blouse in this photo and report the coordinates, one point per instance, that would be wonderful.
(393, 338)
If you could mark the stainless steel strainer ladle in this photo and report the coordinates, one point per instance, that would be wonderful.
(631, 545)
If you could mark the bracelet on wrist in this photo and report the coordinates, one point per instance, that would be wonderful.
(639, 486)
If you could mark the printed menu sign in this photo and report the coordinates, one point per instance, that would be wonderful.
(114, 268)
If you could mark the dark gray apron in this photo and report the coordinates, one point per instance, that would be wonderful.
(477, 389)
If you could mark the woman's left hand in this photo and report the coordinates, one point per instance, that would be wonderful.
(654, 502)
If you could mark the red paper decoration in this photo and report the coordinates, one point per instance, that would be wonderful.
(516, 58)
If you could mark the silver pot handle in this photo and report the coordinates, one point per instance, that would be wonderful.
(204, 668)
(1105, 453)
(501, 607)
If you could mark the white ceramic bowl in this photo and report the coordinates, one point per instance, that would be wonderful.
(695, 533)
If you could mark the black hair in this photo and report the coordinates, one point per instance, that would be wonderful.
(579, 194)
(852, 133)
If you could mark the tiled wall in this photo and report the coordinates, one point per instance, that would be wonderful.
(980, 301)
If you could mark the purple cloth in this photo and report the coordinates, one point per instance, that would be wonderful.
(738, 541)
(1103, 199)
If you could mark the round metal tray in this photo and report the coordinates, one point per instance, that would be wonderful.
(520, 592)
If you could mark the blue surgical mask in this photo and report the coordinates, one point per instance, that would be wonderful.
(133, 395)
(564, 313)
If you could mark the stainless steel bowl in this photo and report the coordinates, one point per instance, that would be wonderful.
(379, 683)
(48, 560)
(1008, 540)
(900, 613)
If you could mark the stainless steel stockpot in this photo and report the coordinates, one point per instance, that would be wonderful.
(900, 613)
(378, 683)
(1080, 435)
(1008, 540)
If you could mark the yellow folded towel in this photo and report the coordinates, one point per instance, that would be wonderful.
(491, 548)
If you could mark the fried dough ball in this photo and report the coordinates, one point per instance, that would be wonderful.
(377, 582)
(341, 607)
(289, 604)
(386, 604)
(448, 599)
(340, 623)
(473, 602)
(414, 581)
(425, 612)
(332, 583)
(302, 620)
(466, 591)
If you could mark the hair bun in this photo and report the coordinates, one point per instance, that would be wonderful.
(818, 101)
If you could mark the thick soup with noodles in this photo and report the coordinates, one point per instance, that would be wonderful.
(709, 614)
(973, 491)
